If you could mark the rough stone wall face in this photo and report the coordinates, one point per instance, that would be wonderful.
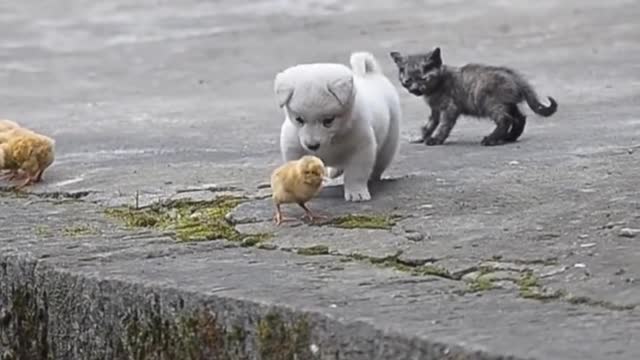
(51, 313)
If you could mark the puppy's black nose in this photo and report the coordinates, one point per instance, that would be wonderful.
(313, 147)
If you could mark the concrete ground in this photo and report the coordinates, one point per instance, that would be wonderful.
(533, 242)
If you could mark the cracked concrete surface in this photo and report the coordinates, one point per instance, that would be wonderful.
(154, 100)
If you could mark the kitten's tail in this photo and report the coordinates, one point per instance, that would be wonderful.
(364, 63)
(532, 100)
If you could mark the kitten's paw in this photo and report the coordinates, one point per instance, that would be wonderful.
(433, 141)
(488, 141)
(333, 173)
(360, 193)
(419, 140)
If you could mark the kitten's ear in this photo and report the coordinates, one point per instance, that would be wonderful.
(283, 90)
(342, 89)
(397, 58)
(435, 57)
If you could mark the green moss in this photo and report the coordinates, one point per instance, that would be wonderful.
(480, 284)
(531, 288)
(535, 293)
(198, 335)
(584, 300)
(433, 270)
(280, 340)
(528, 280)
(43, 231)
(27, 321)
(195, 335)
(78, 230)
(314, 250)
(394, 262)
(364, 222)
(189, 220)
(250, 240)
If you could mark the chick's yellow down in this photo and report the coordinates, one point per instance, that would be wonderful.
(28, 152)
(297, 181)
(6, 125)
(9, 129)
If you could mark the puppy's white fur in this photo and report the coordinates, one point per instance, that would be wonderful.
(362, 138)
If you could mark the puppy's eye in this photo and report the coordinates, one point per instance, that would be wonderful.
(299, 120)
(328, 121)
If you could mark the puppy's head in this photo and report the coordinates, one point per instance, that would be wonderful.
(419, 73)
(317, 99)
(312, 170)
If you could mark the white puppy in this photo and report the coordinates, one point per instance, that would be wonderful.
(350, 118)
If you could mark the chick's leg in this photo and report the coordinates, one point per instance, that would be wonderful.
(38, 177)
(278, 218)
(28, 181)
(9, 175)
(308, 214)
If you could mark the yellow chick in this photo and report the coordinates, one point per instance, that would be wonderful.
(297, 181)
(8, 129)
(28, 152)
(6, 125)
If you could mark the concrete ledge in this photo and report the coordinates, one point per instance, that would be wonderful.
(54, 313)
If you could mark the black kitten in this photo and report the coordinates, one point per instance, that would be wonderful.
(474, 89)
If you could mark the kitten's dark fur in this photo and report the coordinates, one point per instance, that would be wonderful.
(474, 89)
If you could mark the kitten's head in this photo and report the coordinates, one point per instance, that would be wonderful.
(419, 73)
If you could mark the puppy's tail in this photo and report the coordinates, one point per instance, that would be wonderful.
(532, 100)
(364, 63)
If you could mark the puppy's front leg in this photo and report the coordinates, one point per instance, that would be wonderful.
(290, 147)
(357, 173)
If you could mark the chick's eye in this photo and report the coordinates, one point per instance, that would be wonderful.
(299, 120)
(328, 121)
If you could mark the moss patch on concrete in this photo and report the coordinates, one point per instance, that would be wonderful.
(282, 340)
(380, 222)
(584, 300)
(530, 288)
(189, 220)
(79, 230)
(394, 262)
(314, 250)
(480, 284)
(43, 231)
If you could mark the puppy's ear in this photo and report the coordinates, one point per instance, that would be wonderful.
(435, 57)
(342, 89)
(283, 90)
(397, 58)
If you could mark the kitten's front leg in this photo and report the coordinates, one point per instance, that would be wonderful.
(428, 128)
(357, 173)
(447, 122)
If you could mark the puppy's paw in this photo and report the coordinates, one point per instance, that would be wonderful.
(333, 173)
(430, 141)
(416, 140)
(360, 193)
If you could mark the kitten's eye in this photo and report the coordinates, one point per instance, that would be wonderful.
(299, 120)
(328, 121)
